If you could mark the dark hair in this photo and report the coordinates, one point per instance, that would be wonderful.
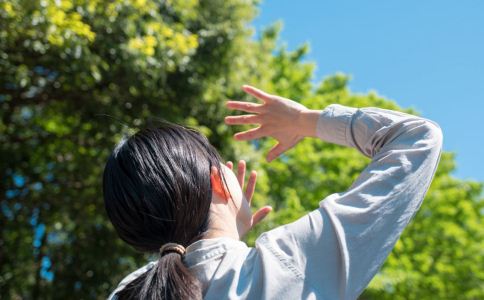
(157, 190)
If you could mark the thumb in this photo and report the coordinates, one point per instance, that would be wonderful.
(282, 147)
(260, 214)
(276, 151)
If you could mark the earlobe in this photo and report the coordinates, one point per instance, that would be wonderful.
(217, 186)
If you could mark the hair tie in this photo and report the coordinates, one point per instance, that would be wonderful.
(172, 247)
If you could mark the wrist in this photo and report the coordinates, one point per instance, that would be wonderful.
(307, 122)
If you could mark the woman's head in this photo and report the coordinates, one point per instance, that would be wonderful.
(158, 188)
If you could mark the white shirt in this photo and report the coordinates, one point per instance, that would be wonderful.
(334, 251)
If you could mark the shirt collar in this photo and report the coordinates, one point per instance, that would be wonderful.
(205, 249)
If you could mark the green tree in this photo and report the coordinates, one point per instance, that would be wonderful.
(76, 75)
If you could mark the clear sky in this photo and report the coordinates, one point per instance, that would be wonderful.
(428, 55)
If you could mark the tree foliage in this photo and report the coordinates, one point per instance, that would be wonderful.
(77, 75)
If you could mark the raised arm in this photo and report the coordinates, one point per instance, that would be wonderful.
(340, 247)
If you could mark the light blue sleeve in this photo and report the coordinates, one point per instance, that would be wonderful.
(341, 246)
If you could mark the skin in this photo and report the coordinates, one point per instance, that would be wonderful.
(280, 118)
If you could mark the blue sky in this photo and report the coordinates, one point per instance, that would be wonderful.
(428, 55)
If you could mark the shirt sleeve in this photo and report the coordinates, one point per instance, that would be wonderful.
(341, 246)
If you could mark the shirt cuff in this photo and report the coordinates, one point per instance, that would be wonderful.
(334, 124)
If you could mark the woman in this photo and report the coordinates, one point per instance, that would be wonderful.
(166, 190)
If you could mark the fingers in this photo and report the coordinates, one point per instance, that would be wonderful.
(244, 106)
(245, 119)
(241, 169)
(260, 215)
(241, 173)
(251, 134)
(259, 94)
(249, 192)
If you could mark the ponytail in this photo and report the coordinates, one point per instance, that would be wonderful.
(168, 279)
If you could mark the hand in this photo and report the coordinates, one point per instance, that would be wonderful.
(277, 117)
(260, 214)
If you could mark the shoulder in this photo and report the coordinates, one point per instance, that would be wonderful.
(130, 277)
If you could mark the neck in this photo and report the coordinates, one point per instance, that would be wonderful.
(222, 226)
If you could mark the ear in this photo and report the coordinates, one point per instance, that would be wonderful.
(217, 185)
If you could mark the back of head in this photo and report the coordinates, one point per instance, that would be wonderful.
(157, 190)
